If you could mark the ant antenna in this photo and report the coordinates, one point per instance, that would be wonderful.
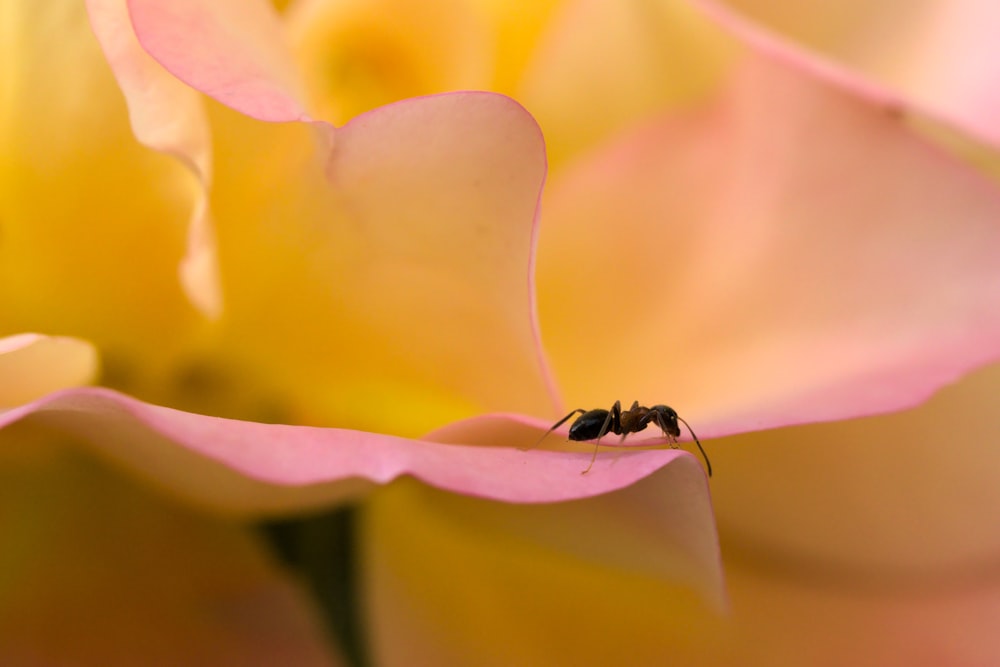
(554, 427)
(701, 449)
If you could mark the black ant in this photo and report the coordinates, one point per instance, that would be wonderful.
(595, 424)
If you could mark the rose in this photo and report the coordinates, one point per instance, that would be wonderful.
(847, 122)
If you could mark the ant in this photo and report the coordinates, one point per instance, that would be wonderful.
(595, 424)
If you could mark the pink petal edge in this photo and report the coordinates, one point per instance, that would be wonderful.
(273, 467)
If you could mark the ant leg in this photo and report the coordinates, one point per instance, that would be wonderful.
(554, 427)
(673, 441)
(597, 446)
(655, 416)
(616, 414)
(612, 422)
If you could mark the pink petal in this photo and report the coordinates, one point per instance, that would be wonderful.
(791, 254)
(231, 50)
(252, 468)
(98, 572)
(32, 365)
(166, 116)
(938, 57)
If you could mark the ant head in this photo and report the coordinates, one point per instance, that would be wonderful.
(669, 418)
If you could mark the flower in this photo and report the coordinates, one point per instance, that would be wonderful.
(766, 239)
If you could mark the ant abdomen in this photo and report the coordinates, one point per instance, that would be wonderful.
(588, 426)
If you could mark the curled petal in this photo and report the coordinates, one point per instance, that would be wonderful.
(252, 468)
(32, 365)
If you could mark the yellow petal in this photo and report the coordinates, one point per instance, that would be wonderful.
(361, 54)
(449, 584)
(453, 580)
(601, 67)
(94, 223)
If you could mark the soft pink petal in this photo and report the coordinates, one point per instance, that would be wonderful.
(938, 56)
(248, 468)
(231, 50)
(32, 365)
(100, 572)
(789, 254)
